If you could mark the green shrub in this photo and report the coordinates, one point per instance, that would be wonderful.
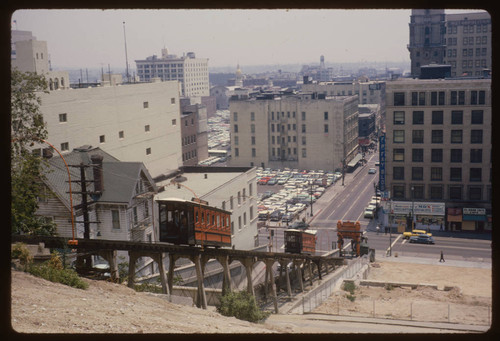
(349, 286)
(241, 305)
(388, 287)
(52, 270)
(20, 251)
(351, 297)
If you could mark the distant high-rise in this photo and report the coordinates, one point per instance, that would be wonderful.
(462, 41)
(191, 72)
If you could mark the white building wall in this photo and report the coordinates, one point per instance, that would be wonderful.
(107, 111)
(31, 56)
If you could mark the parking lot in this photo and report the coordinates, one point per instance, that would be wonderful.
(284, 195)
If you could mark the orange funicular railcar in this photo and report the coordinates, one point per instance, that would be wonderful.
(193, 222)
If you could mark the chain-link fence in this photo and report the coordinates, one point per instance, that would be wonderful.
(321, 293)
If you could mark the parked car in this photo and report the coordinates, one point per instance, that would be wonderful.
(422, 239)
(287, 217)
(272, 181)
(276, 215)
(263, 215)
(263, 180)
(372, 171)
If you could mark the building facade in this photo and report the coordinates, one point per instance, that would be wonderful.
(294, 131)
(134, 122)
(438, 146)
(189, 71)
(462, 41)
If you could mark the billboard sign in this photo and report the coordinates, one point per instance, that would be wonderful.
(381, 175)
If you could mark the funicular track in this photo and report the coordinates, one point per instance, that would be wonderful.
(300, 263)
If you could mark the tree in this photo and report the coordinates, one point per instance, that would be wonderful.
(27, 128)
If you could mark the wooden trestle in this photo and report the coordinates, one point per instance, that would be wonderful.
(199, 256)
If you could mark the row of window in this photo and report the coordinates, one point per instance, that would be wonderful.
(436, 174)
(189, 155)
(437, 136)
(436, 192)
(423, 98)
(417, 155)
(282, 152)
(188, 140)
(479, 28)
(437, 117)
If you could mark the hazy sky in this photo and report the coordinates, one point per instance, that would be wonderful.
(95, 38)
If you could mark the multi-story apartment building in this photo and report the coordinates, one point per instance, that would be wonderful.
(191, 72)
(438, 147)
(462, 41)
(134, 122)
(304, 131)
(194, 132)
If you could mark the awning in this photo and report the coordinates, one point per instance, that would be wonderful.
(355, 160)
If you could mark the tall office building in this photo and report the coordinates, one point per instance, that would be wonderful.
(304, 131)
(191, 72)
(462, 41)
(438, 147)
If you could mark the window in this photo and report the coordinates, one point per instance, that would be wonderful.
(475, 174)
(64, 146)
(254, 152)
(102, 139)
(441, 97)
(475, 193)
(115, 218)
(399, 117)
(418, 192)
(455, 155)
(236, 152)
(252, 128)
(235, 116)
(418, 117)
(457, 117)
(174, 122)
(172, 100)
(455, 174)
(272, 128)
(252, 116)
(436, 173)
(303, 140)
(417, 155)
(231, 202)
(253, 140)
(456, 136)
(461, 98)
(121, 134)
(436, 155)
(476, 117)
(146, 128)
(304, 153)
(326, 129)
(417, 136)
(399, 136)
(453, 98)
(235, 128)
(414, 98)
(303, 116)
(134, 214)
(476, 136)
(63, 117)
(148, 151)
(436, 192)
(237, 140)
(482, 97)
(417, 173)
(398, 154)
(398, 173)
(437, 136)
(399, 99)
(437, 117)
(434, 93)
(455, 192)
(473, 94)
(326, 115)
(145, 105)
(239, 223)
(303, 128)
(398, 191)
(421, 98)
(476, 155)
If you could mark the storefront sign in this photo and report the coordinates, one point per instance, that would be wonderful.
(382, 163)
(419, 208)
(474, 211)
(454, 214)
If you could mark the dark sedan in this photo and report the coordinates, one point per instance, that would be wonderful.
(422, 239)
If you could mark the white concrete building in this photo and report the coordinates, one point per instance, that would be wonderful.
(135, 122)
(191, 72)
(295, 131)
(230, 188)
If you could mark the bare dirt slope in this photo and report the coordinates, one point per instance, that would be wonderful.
(39, 306)
(468, 302)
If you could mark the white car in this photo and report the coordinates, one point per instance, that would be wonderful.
(372, 171)
(369, 212)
